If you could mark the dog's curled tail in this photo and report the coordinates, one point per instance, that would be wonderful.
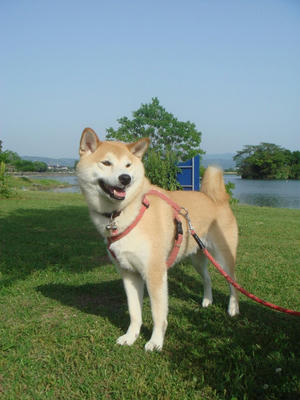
(213, 185)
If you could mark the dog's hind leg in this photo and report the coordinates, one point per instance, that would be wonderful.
(200, 263)
(134, 288)
(233, 306)
(227, 262)
(157, 286)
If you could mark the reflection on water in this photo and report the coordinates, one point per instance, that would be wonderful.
(72, 180)
(283, 194)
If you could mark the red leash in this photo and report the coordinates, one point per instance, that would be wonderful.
(236, 285)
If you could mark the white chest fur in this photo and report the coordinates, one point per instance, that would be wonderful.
(132, 252)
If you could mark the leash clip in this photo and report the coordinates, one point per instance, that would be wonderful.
(184, 212)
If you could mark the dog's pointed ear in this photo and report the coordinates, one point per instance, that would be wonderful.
(89, 142)
(139, 148)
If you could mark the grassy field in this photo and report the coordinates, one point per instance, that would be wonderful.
(62, 307)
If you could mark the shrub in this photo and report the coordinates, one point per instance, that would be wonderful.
(229, 189)
(162, 169)
(5, 189)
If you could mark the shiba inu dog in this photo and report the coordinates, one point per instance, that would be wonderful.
(112, 179)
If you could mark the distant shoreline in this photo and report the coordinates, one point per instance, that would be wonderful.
(30, 173)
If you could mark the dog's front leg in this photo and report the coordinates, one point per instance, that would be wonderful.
(134, 288)
(157, 286)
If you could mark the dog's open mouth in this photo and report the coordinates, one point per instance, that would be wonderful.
(114, 192)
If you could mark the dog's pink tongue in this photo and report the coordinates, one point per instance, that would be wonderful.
(119, 193)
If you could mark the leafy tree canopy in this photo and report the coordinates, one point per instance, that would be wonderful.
(164, 130)
(267, 161)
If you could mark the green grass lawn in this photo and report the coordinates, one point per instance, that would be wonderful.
(62, 307)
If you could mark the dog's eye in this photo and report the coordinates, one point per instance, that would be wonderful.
(128, 165)
(106, 163)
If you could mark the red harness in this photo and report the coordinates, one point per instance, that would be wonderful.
(145, 205)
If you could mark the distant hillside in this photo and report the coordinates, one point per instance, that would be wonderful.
(61, 162)
(224, 160)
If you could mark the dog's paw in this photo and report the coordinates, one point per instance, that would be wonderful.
(233, 307)
(127, 340)
(206, 302)
(153, 346)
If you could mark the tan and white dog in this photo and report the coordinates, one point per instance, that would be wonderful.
(111, 177)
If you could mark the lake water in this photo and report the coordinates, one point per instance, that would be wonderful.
(283, 194)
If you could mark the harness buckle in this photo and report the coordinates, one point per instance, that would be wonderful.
(179, 230)
(146, 203)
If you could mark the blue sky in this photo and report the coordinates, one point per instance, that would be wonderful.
(231, 67)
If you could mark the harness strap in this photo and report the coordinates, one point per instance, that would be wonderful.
(178, 240)
(118, 236)
(145, 204)
(172, 203)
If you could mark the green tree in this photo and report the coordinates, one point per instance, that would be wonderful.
(9, 157)
(40, 166)
(164, 130)
(29, 166)
(264, 161)
(295, 165)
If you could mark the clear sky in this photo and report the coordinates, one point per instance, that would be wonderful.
(231, 67)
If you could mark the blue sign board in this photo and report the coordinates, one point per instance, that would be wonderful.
(189, 177)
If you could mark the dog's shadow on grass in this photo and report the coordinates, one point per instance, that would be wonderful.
(59, 238)
(105, 299)
(108, 300)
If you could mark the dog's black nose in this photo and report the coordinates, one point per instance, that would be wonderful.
(125, 179)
